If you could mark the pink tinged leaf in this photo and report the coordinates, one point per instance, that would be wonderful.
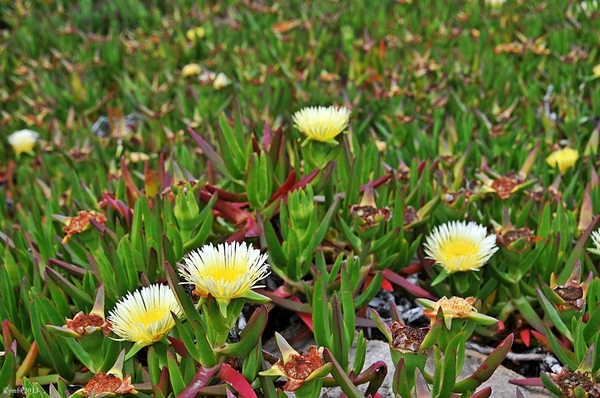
(132, 191)
(305, 181)
(483, 393)
(586, 213)
(285, 187)
(201, 379)
(226, 195)
(120, 207)
(374, 184)
(403, 283)
(525, 335)
(533, 382)
(487, 367)
(70, 268)
(178, 346)
(236, 380)
(210, 153)
(267, 137)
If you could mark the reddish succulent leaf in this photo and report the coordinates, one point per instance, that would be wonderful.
(387, 285)
(178, 346)
(305, 181)
(403, 283)
(411, 269)
(70, 268)
(236, 380)
(226, 195)
(533, 381)
(133, 193)
(525, 335)
(200, 380)
(374, 184)
(285, 187)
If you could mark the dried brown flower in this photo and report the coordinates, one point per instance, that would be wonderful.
(107, 384)
(568, 381)
(300, 366)
(81, 222)
(407, 339)
(87, 323)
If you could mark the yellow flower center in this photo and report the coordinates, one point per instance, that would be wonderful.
(453, 251)
(227, 275)
(151, 316)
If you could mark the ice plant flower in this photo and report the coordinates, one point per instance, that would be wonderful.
(596, 242)
(144, 316)
(108, 384)
(564, 159)
(458, 246)
(220, 81)
(298, 368)
(195, 33)
(322, 123)
(190, 70)
(454, 308)
(226, 272)
(495, 3)
(23, 141)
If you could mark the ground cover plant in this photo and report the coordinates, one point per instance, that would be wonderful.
(176, 175)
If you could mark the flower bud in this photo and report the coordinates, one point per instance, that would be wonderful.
(186, 210)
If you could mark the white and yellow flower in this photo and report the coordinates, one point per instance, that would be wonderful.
(144, 316)
(226, 272)
(495, 3)
(220, 81)
(458, 246)
(322, 123)
(596, 242)
(564, 159)
(194, 34)
(23, 141)
(191, 70)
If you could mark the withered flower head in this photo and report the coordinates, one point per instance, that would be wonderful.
(454, 307)
(571, 294)
(407, 339)
(410, 216)
(79, 223)
(298, 368)
(366, 214)
(506, 238)
(515, 239)
(569, 382)
(108, 384)
(83, 324)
